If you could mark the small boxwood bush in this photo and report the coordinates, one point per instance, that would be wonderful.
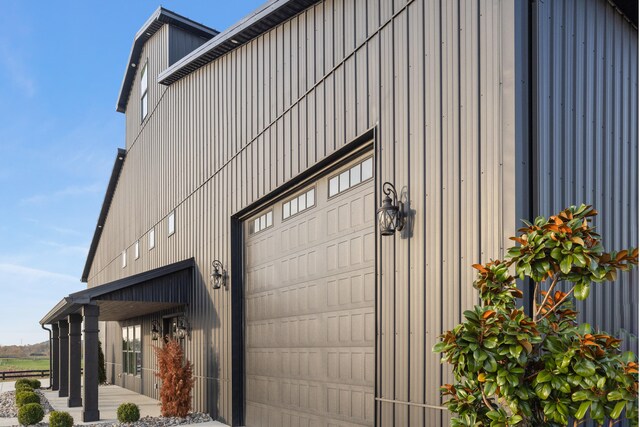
(34, 383)
(30, 414)
(128, 413)
(23, 387)
(25, 397)
(60, 419)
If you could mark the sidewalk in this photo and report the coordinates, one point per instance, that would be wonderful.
(110, 397)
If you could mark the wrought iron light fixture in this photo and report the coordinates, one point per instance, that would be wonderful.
(218, 275)
(182, 328)
(391, 216)
(156, 330)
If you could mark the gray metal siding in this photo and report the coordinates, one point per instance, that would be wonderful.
(587, 137)
(436, 80)
(181, 43)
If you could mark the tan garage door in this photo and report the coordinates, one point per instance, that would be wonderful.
(309, 290)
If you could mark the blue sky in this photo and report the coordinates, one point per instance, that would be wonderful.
(61, 66)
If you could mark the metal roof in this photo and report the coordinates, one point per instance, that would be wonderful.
(160, 17)
(106, 203)
(125, 309)
(256, 23)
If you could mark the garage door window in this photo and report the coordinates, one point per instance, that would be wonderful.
(351, 177)
(299, 203)
(262, 222)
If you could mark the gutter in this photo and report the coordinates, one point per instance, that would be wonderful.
(50, 355)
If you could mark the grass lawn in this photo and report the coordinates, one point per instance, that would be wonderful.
(11, 364)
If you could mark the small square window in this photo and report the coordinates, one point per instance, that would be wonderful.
(256, 225)
(286, 210)
(311, 197)
(302, 202)
(367, 169)
(124, 258)
(333, 186)
(344, 180)
(269, 218)
(171, 223)
(294, 206)
(152, 238)
(263, 222)
(137, 249)
(355, 175)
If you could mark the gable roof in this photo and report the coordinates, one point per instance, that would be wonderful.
(260, 21)
(106, 203)
(160, 17)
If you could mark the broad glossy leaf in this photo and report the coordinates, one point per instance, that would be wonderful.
(617, 410)
(565, 264)
(582, 290)
(544, 376)
(582, 410)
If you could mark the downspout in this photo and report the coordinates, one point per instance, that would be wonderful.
(50, 355)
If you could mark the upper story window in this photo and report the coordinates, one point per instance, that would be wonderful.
(171, 222)
(152, 238)
(144, 85)
(124, 258)
(137, 249)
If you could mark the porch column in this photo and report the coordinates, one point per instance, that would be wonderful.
(90, 373)
(63, 362)
(75, 354)
(55, 355)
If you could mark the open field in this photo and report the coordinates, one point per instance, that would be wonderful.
(23, 364)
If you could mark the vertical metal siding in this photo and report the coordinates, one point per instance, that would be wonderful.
(587, 146)
(433, 76)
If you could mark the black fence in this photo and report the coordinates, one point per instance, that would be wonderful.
(7, 375)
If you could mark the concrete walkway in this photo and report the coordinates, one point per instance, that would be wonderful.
(109, 398)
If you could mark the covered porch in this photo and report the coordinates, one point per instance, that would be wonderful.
(73, 345)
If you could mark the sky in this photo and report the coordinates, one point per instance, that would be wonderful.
(61, 67)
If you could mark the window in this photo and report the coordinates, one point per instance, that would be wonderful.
(299, 203)
(124, 258)
(132, 350)
(351, 177)
(171, 222)
(137, 249)
(260, 223)
(144, 84)
(152, 238)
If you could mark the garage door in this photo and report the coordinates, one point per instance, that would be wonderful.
(309, 295)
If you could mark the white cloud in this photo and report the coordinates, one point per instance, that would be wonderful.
(31, 275)
(71, 191)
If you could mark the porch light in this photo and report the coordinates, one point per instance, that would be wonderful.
(156, 330)
(182, 328)
(391, 217)
(218, 275)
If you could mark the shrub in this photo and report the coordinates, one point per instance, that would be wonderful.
(60, 419)
(23, 387)
(23, 382)
(31, 413)
(176, 380)
(514, 369)
(34, 383)
(25, 397)
(128, 413)
(102, 371)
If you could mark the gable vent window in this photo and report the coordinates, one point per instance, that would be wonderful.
(262, 222)
(298, 204)
(124, 258)
(137, 249)
(171, 221)
(351, 177)
(152, 238)
(144, 85)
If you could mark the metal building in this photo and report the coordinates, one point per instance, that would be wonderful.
(241, 215)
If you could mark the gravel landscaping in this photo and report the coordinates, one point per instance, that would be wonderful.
(160, 421)
(8, 408)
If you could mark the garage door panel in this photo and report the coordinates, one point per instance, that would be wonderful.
(309, 311)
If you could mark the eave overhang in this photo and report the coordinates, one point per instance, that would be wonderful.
(160, 17)
(259, 22)
(118, 309)
(106, 203)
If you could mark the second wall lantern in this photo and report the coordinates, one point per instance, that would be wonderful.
(391, 216)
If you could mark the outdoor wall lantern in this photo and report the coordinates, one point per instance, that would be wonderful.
(391, 217)
(156, 330)
(218, 275)
(182, 328)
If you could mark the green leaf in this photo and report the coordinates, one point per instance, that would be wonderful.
(565, 264)
(556, 254)
(582, 410)
(582, 290)
(544, 376)
(543, 390)
(515, 420)
(614, 395)
(617, 410)
(580, 395)
(585, 368)
(490, 388)
(439, 347)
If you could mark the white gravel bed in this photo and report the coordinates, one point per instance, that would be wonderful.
(193, 418)
(8, 408)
